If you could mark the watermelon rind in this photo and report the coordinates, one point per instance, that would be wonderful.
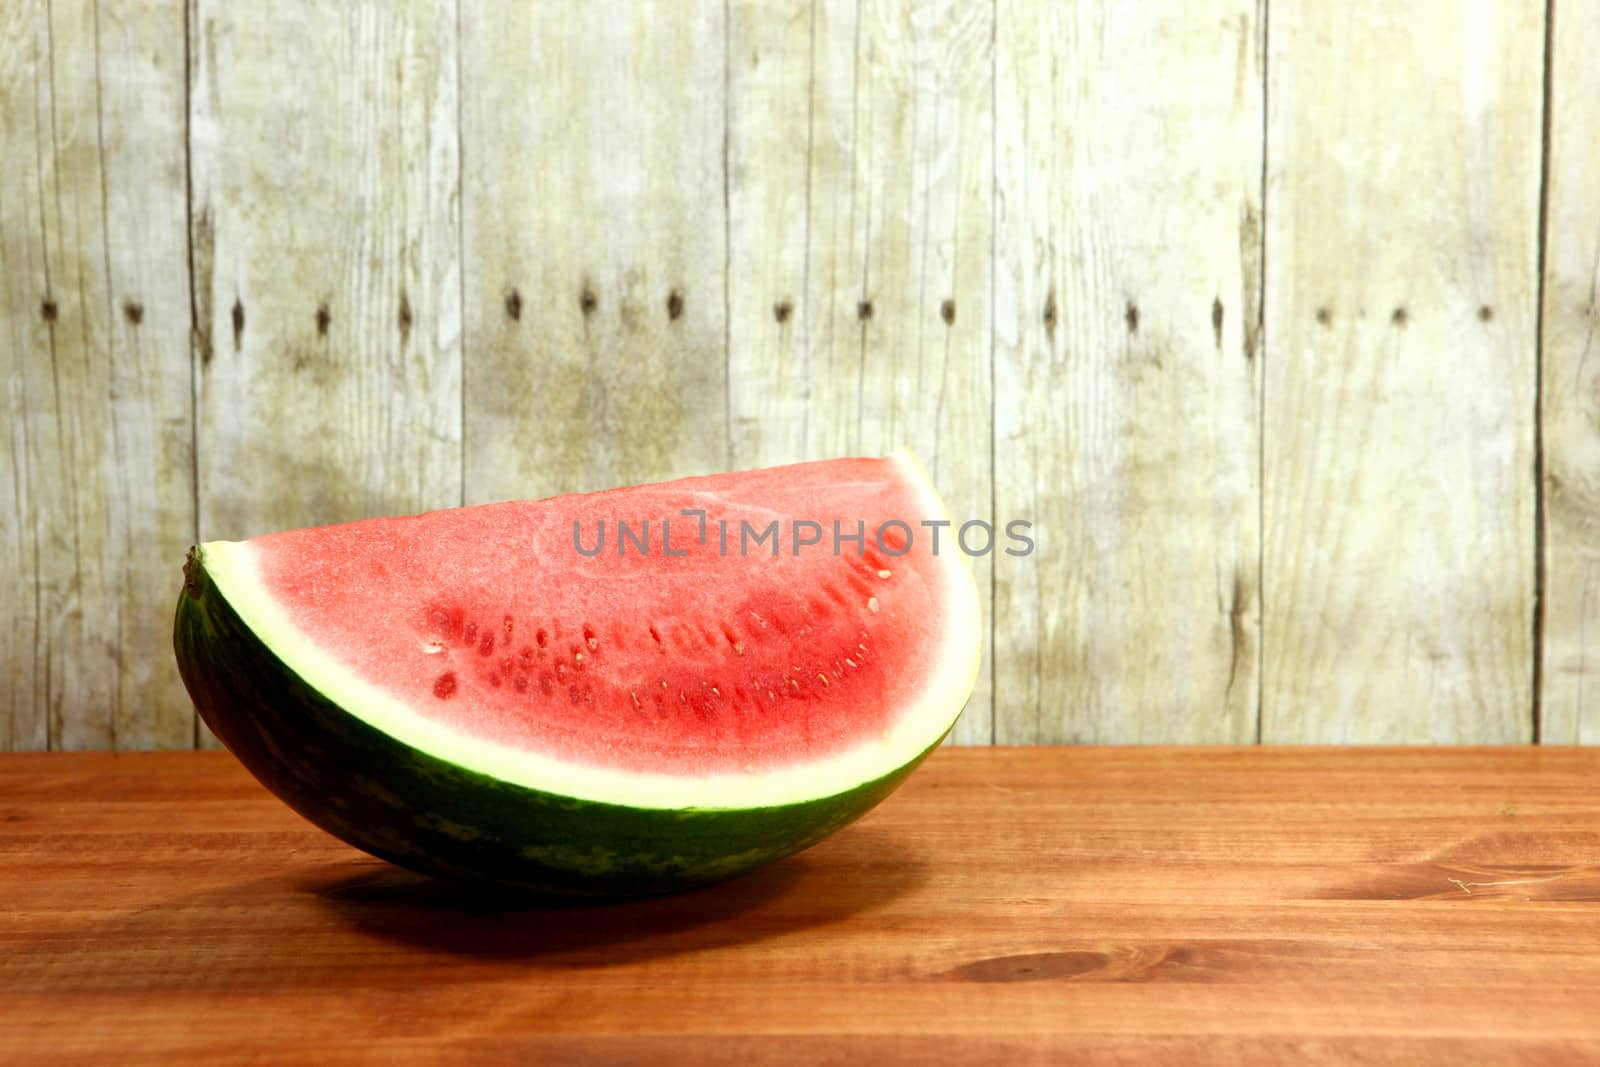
(358, 762)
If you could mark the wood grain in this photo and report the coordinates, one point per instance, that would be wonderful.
(96, 491)
(1044, 905)
(326, 263)
(595, 246)
(860, 229)
(1400, 307)
(1126, 363)
(1570, 378)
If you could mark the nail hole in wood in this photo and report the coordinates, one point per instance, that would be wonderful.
(514, 304)
(782, 310)
(133, 311)
(947, 312)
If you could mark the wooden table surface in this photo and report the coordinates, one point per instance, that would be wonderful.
(1090, 905)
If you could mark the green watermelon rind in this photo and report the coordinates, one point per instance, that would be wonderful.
(438, 817)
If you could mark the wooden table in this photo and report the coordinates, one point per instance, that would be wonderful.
(1089, 905)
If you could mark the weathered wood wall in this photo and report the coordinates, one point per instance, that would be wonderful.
(1278, 320)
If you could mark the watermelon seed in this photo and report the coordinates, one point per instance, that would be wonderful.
(738, 648)
(589, 637)
(541, 638)
(655, 635)
(850, 661)
(577, 657)
(471, 634)
(635, 697)
(872, 604)
(508, 625)
(824, 678)
(885, 574)
(717, 691)
(733, 642)
(486, 644)
(445, 686)
(663, 683)
(432, 648)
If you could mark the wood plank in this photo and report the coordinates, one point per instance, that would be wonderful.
(1570, 404)
(96, 489)
(860, 230)
(1201, 904)
(595, 245)
(1126, 370)
(325, 201)
(1398, 573)
(325, 229)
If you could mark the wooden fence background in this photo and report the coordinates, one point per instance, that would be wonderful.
(1275, 317)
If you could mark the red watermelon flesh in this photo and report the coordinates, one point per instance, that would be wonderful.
(490, 622)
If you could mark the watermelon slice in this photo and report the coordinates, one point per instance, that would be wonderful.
(609, 694)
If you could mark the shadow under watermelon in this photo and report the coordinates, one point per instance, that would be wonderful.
(857, 871)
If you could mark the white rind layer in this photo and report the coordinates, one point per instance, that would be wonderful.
(233, 569)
